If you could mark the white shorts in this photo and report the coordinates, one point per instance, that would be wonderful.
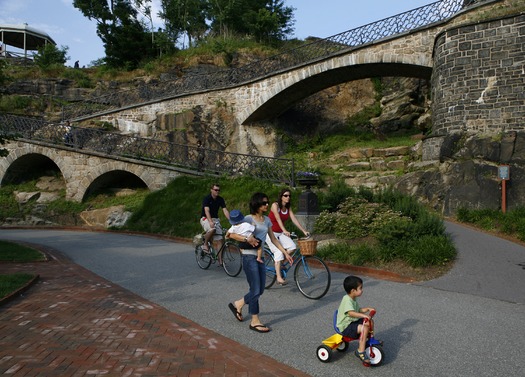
(285, 241)
(218, 228)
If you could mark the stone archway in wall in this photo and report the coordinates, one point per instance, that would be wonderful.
(114, 181)
(30, 166)
(276, 100)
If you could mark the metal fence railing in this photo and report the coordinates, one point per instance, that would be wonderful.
(111, 144)
(305, 54)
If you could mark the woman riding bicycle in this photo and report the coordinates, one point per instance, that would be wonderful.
(280, 213)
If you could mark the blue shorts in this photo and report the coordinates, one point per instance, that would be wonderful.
(351, 330)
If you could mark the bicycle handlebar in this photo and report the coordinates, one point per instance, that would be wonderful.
(294, 236)
(371, 314)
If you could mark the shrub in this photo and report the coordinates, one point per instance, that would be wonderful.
(81, 78)
(356, 255)
(403, 228)
(430, 250)
(50, 55)
(337, 192)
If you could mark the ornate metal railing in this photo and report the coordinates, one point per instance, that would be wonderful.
(110, 144)
(305, 54)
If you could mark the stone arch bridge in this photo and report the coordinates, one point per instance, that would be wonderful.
(399, 46)
(83, 172)
(90, 159)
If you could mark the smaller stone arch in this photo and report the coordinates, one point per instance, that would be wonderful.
(115, 179)
(28, 166)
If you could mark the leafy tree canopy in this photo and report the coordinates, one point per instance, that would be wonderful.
(265, 20)
(121, 28)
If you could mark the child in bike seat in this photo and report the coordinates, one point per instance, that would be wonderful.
(242, 228)
(350, 316)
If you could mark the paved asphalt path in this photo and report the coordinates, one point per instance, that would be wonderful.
(470, 322)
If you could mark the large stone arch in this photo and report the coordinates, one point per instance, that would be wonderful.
(272, 104)
(408, 55)
(98, 169)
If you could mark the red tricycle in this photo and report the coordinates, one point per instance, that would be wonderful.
(338, 341)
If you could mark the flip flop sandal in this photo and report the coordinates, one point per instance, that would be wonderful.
(257, 328)
(236, 313)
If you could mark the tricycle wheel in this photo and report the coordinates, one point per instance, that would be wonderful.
(324, 353)
(376, 355)
(343, 347)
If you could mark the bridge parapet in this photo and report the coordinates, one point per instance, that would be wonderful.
(190, 159)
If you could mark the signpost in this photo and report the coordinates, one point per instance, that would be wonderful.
(504, 175)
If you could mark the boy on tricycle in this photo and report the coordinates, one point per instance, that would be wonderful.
(352, 322)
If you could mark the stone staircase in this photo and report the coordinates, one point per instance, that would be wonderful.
(374, 168)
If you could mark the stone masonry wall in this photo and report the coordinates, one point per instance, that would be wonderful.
(479, 78)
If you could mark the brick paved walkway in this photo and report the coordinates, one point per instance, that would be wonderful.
(75, 323)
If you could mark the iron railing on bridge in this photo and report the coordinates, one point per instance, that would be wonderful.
(305, 54)
(110, 144)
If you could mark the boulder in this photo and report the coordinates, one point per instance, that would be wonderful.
(114, 216)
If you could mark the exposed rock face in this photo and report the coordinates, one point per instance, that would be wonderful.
(467, 175)
(62, 88)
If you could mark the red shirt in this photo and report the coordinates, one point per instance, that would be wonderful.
(284, 217)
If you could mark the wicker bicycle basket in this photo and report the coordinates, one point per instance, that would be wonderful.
(307, 247)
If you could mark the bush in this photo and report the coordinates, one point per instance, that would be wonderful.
(81, 78)
(50, 55)
(403, 228)
(430, 250)
(337, 192)
(356, 255)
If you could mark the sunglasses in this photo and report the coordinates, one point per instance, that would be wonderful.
(216, 190)
(286, 195)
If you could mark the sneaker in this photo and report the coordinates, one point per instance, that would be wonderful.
(362, 356)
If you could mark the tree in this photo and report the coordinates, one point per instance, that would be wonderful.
(266, 20)
(273, 22)
(126, 38)
(49, 55)
(185, 17)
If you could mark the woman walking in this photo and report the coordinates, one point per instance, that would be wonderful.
(255, 271)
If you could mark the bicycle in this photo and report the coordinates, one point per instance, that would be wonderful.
(311, 274)
(229, 253)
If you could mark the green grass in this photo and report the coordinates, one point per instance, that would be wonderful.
(12, 252)
(176, 209)
(511, 223)
(12, 282)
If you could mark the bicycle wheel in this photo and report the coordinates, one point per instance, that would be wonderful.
(312, 277)
(203, 258)
(270, 269)
(231, 259)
